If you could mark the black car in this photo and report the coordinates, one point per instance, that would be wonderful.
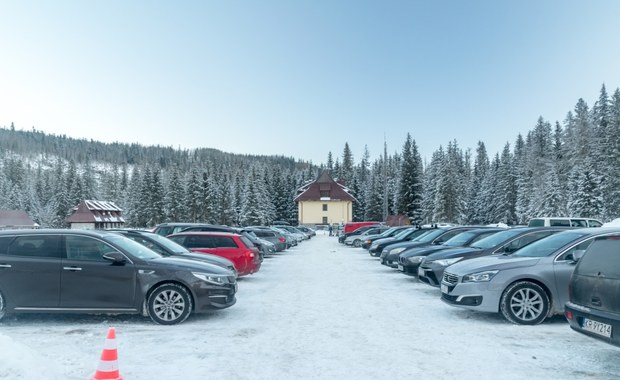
(432, 266)
(102, 272)
(387, 233)
(593, 308)
(408, 234)
(435, 236)
(409, 259)
(167, 248)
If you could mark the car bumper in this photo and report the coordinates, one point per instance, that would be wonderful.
(431, 275)
(409, 268)
(601, 322)
(209, 297)
(480, 296)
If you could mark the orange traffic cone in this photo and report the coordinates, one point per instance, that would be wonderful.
(108, 365)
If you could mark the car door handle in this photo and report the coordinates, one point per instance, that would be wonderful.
(72, 268)
(596, 301)
(5, 265)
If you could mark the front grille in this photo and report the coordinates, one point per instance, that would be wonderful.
(450, 278)
(402, 260)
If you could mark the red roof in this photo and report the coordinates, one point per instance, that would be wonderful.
(324, 183)
(15, 218)
(89, 211)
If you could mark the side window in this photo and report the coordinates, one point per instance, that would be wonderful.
(578, 223)
(225, 242)
(559, 223)
(4, 244)
(579, 248)
(594, 223)
(47, 246)
(86, 248)
(524, 240)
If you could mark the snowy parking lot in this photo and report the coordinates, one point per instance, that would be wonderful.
(320, 310)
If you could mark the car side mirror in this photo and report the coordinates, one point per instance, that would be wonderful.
(578, 254)
(115, 257)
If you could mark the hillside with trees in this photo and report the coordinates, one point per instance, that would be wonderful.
(568, 168)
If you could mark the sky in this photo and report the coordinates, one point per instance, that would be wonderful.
(319, 311)
(303, 78)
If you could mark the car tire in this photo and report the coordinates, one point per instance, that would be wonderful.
(2, 306)
(357, 243)
(525, 303)
(169, 304)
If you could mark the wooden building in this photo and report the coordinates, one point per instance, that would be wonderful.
(91, 214)
(324, 201)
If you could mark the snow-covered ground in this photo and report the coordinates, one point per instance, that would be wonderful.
(318, 311)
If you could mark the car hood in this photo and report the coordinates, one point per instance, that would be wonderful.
(423, 251)
(454, 252)
(191, 264)
(206, 257)
(500, 262)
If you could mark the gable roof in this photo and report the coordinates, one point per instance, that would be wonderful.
(311, 191)
(90, 211)
(16, 218)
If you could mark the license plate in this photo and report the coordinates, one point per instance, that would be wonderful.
(236, 287)
(444, 288)
(401, 268)
(596, 327)
(420, 272)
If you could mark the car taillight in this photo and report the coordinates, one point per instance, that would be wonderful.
(249, 254)
(282, 240)
(569, 315)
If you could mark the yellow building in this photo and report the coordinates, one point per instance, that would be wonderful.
(324, 201)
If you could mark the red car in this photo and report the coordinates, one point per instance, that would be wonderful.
(236, 248)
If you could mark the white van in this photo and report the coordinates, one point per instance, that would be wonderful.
(564, 222)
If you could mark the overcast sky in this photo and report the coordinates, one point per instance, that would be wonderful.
(302, 78)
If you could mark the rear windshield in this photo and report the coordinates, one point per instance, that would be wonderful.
(602, 258)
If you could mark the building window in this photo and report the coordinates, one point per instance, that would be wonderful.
(324, 220)
(324, 207)
(324, 193)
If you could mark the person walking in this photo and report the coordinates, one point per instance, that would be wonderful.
(331, 229)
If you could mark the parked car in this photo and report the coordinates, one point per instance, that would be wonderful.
(593, 306)
(291, 240)
(307, 230)
(564, 222)
(165, 229)
(168, 248)
(263, 249)
(436, 236)
(526, 286)
(268, 234)
(236, 248)
(409, 234)
(409, 259)
(355, 239)
(360, 230)
(432, 266)
(102, 272)
(387, 233)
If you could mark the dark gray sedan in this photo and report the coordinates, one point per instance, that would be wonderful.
(80, 271)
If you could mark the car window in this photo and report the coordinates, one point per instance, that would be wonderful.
(594, 223)
(168, 244)
(601, 259)
(460, 239)
(579, 249)
(225, 242)
(496, 239)
(536, 223)
(86, 248)
(578, 223)
(4, 243)
(35, 246)
(560, 223)
(248, 243)
(522, 241)
(550, 244)
(447, 236)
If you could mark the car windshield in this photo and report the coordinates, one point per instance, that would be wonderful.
(388, 232)
(548, 245)
(134, 248)
(460, 239)
(497, 239)
(402, 234)
(169, 244)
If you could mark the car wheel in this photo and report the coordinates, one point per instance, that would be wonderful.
(2, 306)
(357, 243)
(525, 303)
(169, 304)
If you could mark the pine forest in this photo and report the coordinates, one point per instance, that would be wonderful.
(567, 168)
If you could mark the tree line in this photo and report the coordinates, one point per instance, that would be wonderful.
(561, 169)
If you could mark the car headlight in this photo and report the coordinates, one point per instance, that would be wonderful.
(446, 262)
(485, 276)
(217, 279)
(415, 259)
(396, 251)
